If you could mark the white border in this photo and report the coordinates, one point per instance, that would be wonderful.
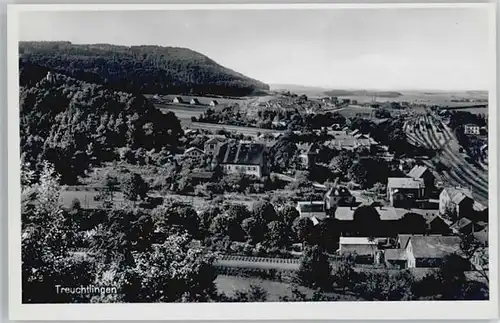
(237, 311)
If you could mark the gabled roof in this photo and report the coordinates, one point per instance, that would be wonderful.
(461, 223)
(241, 153)
(215, 140)
(191, 149)
(417, 171)
(482, 236)
(403, 240)
(405, 182)
(338, 190)
(457, 194)
(434, 246)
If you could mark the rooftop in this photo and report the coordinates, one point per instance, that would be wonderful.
(241, 153)
(457, 194)
(417, 171)
(314, 206)
(434, 246)
(356, 241)
(405, 182)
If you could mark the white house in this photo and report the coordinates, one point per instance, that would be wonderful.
(472, 129)
(403, 191)
(194, 152)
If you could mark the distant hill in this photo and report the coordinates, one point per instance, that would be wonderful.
(383, 94)
(144, 69)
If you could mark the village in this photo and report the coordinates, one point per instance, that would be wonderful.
(413, 220)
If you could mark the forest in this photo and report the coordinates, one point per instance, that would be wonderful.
(143, 69)
(76, 125)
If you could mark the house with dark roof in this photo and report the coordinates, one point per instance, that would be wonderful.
(422, 172)
(194, 101)
(429, 251)
(242, 158)
(436, 225)
(311, 209)
(338, 195)
(212, 145)
(201, 177)
(213, 103)
(456, 201)
(404, 191)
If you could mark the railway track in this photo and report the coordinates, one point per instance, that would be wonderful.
(461, 172)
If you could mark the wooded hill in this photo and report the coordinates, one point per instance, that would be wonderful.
(74, 124)
(143, 69)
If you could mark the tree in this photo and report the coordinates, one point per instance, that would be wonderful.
(254, 294)
(170, 272)
(283, 154)
(264, 210)
(344, 275)
(451, 274)
(342, 162)
(315, 270)
(366, 221)
(134, 187)
(303, 228)
(413, 223)
(276, 236)
(46, 260)
(254, 229)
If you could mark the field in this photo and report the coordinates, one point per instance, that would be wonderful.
(229, 285)
(361, 111)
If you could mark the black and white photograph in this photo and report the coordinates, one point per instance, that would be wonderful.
(221, 155)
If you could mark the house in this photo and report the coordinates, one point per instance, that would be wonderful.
(194, 101)
(404, 191)
(178, 99)
(338, 195)
(50, 77)
(363, 249)
(472, 129)
(436, 225)
(466, 226)
(429, 251)
(422, 172)
(480, 256)
(457, 202)
(308, 158)
(242, 158)
(194, 152)
(311, 209)
(212, 145)
(201, 177)
(395, 258)
(213, 103)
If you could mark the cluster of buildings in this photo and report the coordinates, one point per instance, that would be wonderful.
(393, 243)
(193, 101)
(234, 157)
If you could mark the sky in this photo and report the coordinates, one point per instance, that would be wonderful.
(412, 49)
